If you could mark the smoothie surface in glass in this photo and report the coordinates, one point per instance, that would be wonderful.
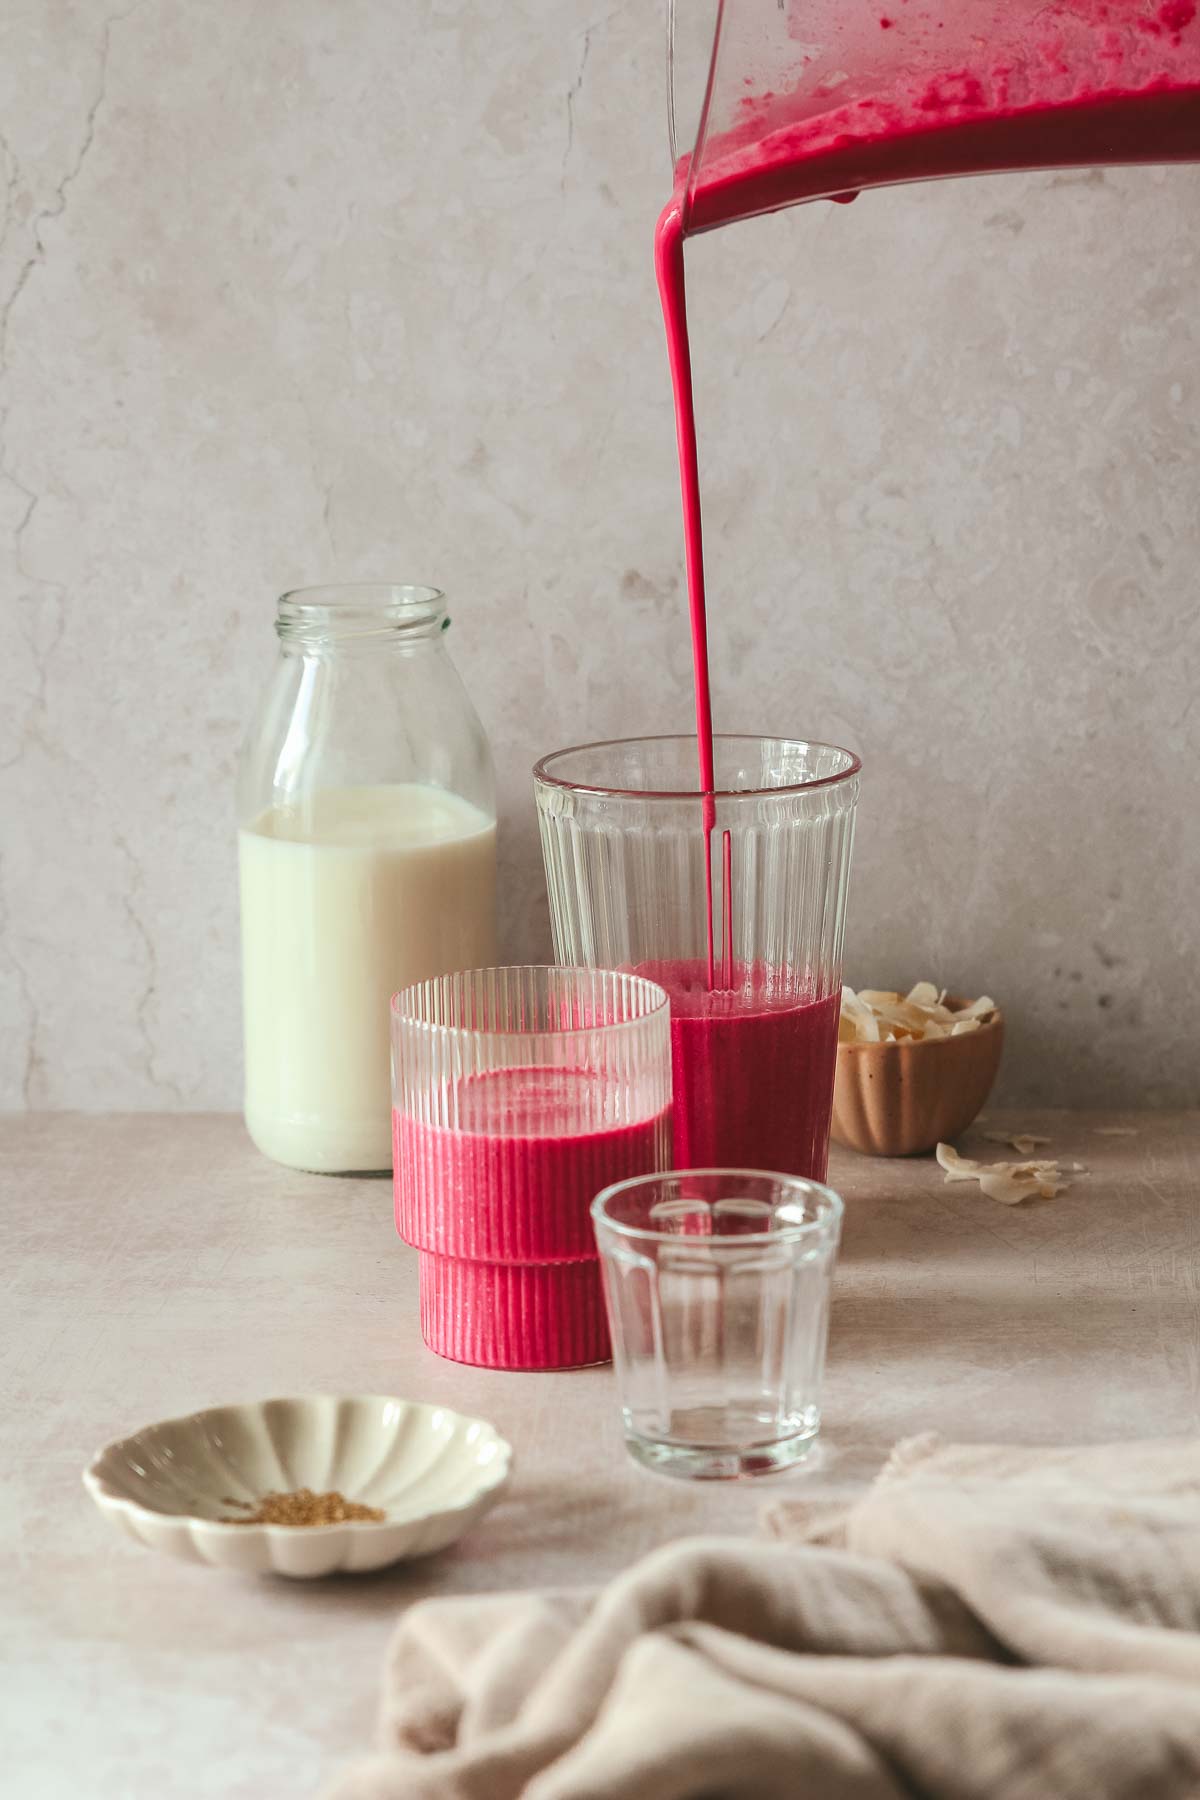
(498, 1204)
(514, 1179)
(752, 1071)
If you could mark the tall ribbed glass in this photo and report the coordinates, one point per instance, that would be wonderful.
(518, 1094)
(755, 982)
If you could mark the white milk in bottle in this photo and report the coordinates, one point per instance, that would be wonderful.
(377, 888)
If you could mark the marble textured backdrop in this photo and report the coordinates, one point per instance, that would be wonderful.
(303, 290)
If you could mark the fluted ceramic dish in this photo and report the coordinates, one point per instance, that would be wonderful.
(177, 1485)
(902, 1098)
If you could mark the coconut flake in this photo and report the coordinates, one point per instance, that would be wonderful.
(1024, 1141)
(978, 1009)
(958, 1168)
(858, 1016)
(1012, 1184)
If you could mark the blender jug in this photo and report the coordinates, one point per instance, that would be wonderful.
(807, 99)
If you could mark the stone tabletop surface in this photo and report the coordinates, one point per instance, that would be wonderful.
(155, 1264)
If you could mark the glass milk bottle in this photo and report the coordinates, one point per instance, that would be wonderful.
(367, 853)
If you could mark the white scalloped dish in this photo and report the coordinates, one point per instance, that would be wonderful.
(179, 1485)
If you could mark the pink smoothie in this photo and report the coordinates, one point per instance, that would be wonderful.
(1079, 82)
(499, 1209)
(752, 1071)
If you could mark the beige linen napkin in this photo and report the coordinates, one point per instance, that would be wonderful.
(985, 1621)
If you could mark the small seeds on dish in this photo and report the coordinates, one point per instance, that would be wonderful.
(303, 1507)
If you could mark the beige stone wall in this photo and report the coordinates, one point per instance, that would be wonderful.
(295, 290)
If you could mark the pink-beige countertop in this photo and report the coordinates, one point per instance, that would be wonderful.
(155, 1264)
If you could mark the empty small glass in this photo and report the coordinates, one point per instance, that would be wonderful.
(717, 1283)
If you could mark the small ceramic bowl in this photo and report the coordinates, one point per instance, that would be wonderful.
(178, 1485)
(902, 1098)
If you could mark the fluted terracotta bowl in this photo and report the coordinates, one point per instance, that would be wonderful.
(901, 1099)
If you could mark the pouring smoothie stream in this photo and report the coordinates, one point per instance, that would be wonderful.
(813, 99)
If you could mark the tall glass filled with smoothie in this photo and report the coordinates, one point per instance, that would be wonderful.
(733, 899)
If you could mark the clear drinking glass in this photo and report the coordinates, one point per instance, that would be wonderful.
(518, 1094)
(717, 1283)
(623, 844)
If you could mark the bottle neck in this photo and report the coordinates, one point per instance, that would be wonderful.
(333, 621)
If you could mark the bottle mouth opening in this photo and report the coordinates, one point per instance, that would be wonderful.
(360, 609)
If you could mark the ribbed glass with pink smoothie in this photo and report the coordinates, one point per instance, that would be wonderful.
(518, 1095)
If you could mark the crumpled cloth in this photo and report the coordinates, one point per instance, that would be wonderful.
(1021, 1624)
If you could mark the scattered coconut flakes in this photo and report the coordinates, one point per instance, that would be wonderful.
(1116, 1131)
(1009, 1183)
(1024, 1141)
(881, 1016)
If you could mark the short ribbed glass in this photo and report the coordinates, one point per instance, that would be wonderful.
(718, 1285)
(624, 843)
(517, 1094)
